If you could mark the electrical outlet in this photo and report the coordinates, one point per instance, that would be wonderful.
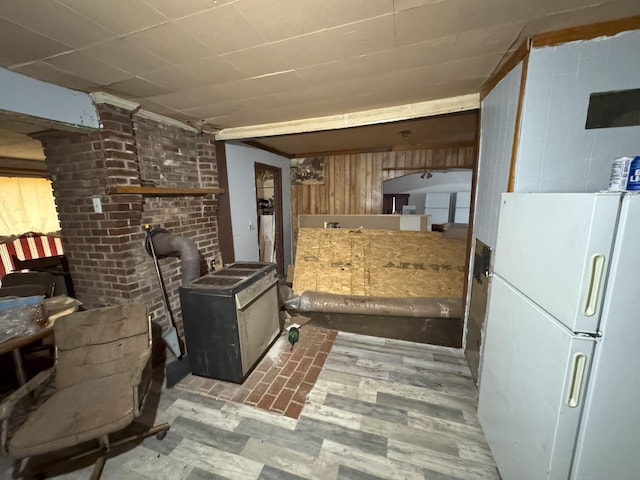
(97, 204)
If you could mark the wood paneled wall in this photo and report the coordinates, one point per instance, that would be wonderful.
(353, 183)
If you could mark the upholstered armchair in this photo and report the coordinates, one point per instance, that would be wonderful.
(100, 378)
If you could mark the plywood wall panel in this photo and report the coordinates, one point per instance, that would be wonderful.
(379, 263)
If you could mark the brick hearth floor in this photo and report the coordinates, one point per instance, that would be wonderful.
(282, 379)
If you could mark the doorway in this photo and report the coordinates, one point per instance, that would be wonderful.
(269, 209)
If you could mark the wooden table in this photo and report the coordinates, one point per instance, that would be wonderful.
(56, 307)
(14, 345)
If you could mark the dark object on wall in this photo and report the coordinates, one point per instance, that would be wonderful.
(231, 317)
(614, 109)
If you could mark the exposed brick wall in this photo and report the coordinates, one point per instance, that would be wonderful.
(107, 259)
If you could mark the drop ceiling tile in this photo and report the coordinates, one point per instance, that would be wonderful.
(339, 43)
(137, 87)
(261, 103)
(55, 21)
(221, 30)
(242, 89)
(177, 100)
(172, 10)
(258, 60)
(281, 19)
(191, 98)
(453, 17)
(174, 78)
(400, 5)
(221, 108)
(126, 55)
(88, 68)
(48, 73)
(119, 16)
(170, 43)
(212, 70)
(25, 45)
(279, 82)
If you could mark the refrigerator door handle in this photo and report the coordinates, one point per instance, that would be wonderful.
(578, 366)
(596, 267)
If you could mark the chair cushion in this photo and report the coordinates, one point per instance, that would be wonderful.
(76, 414)
(95, 361)
(100, 325)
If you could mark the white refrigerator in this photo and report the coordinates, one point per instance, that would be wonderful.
(559, 391)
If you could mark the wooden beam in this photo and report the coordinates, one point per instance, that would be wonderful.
(18, 167)
(586, 32)
(502, 70)
(160, 191)
(516, 130)
(355, 119)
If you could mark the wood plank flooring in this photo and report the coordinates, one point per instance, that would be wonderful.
(381, 409)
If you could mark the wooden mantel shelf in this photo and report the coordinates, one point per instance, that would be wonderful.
(161, 191)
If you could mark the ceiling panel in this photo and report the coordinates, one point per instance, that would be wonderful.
(347, 41)
(89, 68)
(26, 45)
(118, 16)
(282, 19)
(222, 30)
(172, 9)
(53, 21)
(125, 54)
(235, 63)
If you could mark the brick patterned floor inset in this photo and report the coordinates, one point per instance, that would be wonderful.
(282, 379)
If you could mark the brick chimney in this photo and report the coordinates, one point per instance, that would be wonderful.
(103, 231)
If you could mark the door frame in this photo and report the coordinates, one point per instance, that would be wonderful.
(277, 209)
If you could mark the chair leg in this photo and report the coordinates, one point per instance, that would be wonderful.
(102, 459)
(98, 466)
(103, 449)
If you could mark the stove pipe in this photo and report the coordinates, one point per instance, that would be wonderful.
(166, 244)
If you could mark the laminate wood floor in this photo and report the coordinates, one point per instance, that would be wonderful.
(381, 409)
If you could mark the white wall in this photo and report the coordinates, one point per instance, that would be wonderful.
(458, 180)
(241, 161)
(497, 125)
(556, 153)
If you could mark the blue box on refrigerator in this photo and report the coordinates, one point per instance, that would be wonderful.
(633, 180)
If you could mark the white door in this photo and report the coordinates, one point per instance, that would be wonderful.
(608, 442)
(555, 247)
(530, 400)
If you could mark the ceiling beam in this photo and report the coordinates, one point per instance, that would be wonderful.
(355, 119)
(22, 167)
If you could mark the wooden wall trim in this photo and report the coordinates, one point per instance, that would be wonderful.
(516, 130)
(516, 57)
(225, 232)
(586, 32)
